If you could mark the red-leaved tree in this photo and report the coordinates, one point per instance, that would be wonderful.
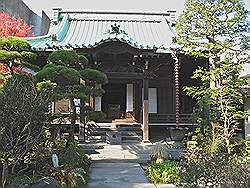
(12, 26)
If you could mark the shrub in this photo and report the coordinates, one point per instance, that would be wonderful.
(75, 165)
(23, 120)
(74, 156)
(64, 57)
(22, 179)
(202, 168)
(93, 75)
(73, 178)
(167, 172)
(96, 116)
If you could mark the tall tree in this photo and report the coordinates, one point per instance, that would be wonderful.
(11, 26)
(215, 29)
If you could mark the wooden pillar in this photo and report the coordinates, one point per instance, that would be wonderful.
(145, 105)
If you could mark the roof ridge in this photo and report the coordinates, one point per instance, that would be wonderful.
(156, 13)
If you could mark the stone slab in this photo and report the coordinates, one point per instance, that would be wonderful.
(165, 186)
(144, 185)
(116, 175)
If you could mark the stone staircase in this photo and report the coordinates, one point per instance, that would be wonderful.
(129, 132)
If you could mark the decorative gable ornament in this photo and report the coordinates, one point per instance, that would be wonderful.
(117, 33)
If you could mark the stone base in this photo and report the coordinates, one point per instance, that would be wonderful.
(146, 142)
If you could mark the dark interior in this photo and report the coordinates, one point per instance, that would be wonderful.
(114, 100)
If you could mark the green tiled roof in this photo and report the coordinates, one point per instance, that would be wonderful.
(91, 29)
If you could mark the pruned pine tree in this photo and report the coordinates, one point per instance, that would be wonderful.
(16, 51)
(67, 70)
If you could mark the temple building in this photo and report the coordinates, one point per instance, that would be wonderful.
(136, 51)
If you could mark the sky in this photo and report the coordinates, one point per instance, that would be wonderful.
(127, 5)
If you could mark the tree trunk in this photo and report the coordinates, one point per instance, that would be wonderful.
(82, 120)
(4, 174)
(73, 118)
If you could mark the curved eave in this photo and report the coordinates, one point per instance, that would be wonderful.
(45, 44)
(56, 34)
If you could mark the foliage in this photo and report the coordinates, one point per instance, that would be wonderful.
(65, 71)
(26, 141)
(59, 74)
(68, 58)
(159, 152)
(167, 172)
(216, 30)
(11, 26)
(96, 116)
(73, 178)
(14, 44)
(74, 172)
(22, 179)
(74, 156)
(209, 28)
(22, 122)
(247, 144)
(203, 168)
(15, 51)
(84, 62)
(45, 84)
(94, 76)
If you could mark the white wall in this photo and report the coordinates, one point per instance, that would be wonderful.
(129, 98)
(152, 97)
(98, 103)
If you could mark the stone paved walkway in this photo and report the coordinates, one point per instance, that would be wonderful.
(120, 175)
(117, 166)
(116, 175)
(125, 152)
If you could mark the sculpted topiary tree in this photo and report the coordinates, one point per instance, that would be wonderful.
(67, 70)
(215, 30)
(16, 51)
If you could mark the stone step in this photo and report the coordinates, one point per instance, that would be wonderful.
(132, 137)
(131, 133)
(131, 141)
(97, 137)
(114, 125)
(123, 133)
(96, 133)
(123, 136)
(93, 141)
(115, 129)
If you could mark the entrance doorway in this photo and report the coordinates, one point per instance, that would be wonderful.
(114, 100)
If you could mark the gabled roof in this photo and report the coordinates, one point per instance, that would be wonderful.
(85, 29)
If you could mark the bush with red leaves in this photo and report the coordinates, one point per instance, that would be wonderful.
(12, 26)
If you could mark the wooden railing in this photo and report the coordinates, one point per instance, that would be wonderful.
(169, 118)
